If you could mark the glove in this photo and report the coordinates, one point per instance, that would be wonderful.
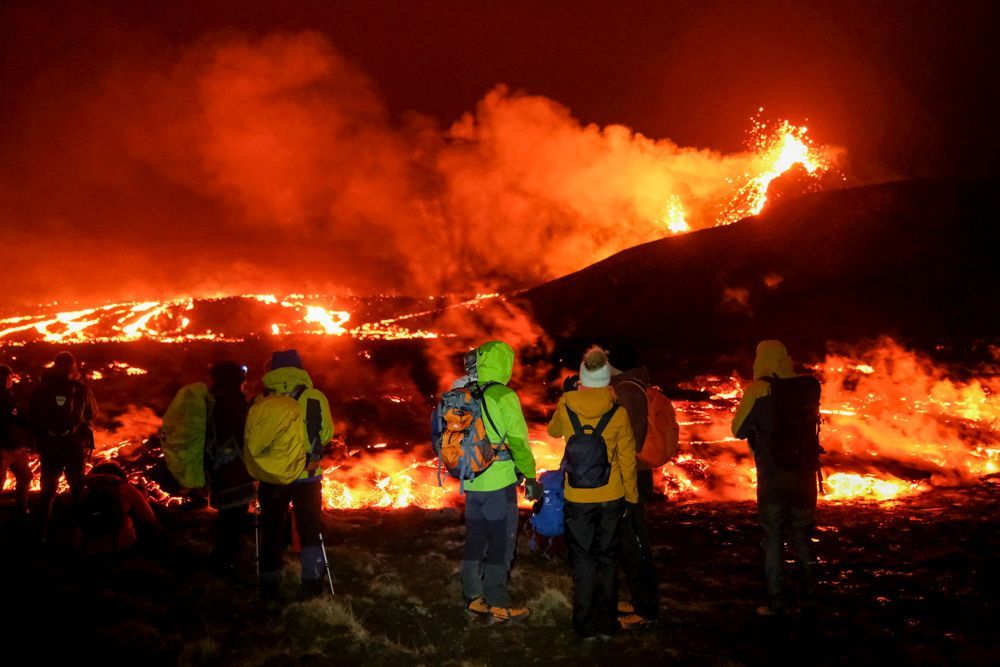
(533, 489)
(631, 510)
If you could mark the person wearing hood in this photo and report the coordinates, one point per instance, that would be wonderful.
(61, 410)
(13, 452)
(231, 487)
(786, 499)
(593, 512)
(636, 556)
(491, 498)
(287, 377)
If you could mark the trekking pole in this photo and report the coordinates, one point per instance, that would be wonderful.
(326, 564)
(256, 541)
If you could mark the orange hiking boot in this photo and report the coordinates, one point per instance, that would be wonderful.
(504, 614)
(478, 607)
(635, 622)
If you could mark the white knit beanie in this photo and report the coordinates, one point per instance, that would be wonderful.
(595, 371)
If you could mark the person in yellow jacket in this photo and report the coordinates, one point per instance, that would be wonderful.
(786, 498)
(593, 513)
(288, 377)
(491, 498)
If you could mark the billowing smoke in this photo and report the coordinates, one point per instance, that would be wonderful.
(267, 164)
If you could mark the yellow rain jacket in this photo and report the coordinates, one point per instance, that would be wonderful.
(270, 440)
(495, 363)
(772, 359)
(590, 405)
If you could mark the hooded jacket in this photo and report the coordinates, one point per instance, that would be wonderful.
(284, 381)
(590, 405)
(630, 392)
(495, 363)
(753, 416)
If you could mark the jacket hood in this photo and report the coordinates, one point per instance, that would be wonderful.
(494, 362)
(590, 403)
(641, 374)
(772, 359)
(285, 380)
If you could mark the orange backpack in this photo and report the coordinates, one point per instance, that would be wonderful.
(662, 431)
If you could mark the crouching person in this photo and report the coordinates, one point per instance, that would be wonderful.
(113, 515)
(491, 497)
(286, 431)
(600, 488)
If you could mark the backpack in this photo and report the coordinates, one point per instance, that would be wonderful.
(586, 457)
(280, 444)
(101, 512)
(62, 410)
(548, 518)
(458, 432)
(794, 441)
(662, 430)
(185, 429)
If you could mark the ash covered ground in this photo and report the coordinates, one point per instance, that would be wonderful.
(910, 582)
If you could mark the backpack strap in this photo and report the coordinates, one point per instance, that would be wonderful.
(578, 427)
(605, 420)
(480, 395)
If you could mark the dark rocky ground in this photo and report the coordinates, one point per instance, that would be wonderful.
(912, 582)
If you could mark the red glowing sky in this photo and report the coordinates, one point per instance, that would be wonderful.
(125, 165)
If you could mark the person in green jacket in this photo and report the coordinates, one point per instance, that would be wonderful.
(491, 498)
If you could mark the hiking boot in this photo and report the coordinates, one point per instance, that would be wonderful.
(635, 622)
(311, 588)
(478, 607)
(504, 614)
(625, 608)
(269, 595)
(768, 610)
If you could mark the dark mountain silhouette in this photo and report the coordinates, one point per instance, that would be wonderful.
(915, 260)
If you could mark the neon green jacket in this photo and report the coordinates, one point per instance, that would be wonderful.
(284, 381)
(495, 363)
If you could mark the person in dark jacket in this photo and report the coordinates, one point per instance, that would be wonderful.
(62, 408)
(13, 452)
(786, 499)
(231, 489)
(113, 515)
(636, 556)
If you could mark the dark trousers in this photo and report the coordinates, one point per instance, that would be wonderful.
(229, 527)
(786, 502)
(637, 562)
(307, 504)
(592, 535)
(60, 455)
(490, 538)
(16, 460)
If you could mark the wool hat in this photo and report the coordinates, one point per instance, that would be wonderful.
(595, 371)
(286, 359)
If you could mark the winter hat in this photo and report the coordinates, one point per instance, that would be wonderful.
(64, 361)
(286, 359)
(109, 468)
(595, 371)
(227, 375)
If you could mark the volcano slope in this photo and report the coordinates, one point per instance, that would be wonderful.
(914, 260)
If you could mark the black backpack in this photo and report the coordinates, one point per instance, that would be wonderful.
(795, 422)
(62, 409)
(101, 511)
(586, 458)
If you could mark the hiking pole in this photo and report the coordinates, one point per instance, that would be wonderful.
(326, 564)
(256, 541)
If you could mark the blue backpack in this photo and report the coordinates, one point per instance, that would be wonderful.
(548, 521)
